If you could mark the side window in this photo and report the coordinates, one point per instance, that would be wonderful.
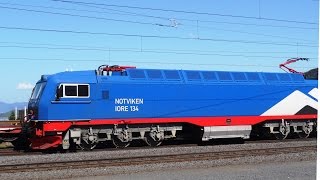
(74, 90)
(71, 90)
(83, 90)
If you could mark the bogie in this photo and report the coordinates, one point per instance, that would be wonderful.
(282, 129)
(121, 136)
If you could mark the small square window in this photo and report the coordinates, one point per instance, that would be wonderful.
(71, 90)
(83, 90)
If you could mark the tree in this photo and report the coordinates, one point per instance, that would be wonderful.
(12, 116)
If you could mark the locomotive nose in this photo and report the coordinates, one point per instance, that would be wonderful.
(32, 111)
(31, 114)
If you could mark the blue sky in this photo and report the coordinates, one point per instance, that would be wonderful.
(243, 35)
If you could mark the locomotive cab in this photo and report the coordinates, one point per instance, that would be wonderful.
(53, 94)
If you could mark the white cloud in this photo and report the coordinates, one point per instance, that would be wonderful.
(25, 86)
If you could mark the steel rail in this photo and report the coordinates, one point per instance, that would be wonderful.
(12, 152)
(145, 160)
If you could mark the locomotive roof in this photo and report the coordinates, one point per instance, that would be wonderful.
(176, 76)
(72, 77)
(201, 76)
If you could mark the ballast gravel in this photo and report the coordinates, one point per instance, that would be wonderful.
(102, 171)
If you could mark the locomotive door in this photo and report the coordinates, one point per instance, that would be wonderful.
(73, 101)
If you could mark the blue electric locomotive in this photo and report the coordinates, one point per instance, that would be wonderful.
(122, 104)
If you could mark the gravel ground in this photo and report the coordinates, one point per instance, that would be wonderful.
(305, 170)
(89, 172)
(6, 160)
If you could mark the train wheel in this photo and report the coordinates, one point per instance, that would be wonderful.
(151, 142)
(87, 145)
(118, 143)
(121, 138)
(89, 140)
(154, 138)
(280, 136)
(302, 135)
(284, 131)
(306, 130)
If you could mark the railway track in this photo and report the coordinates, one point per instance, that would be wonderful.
(153, 159)
(12, 152)
(9, 152)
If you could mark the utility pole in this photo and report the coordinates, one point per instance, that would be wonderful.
(16, 113)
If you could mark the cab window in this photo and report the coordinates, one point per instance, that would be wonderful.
(74, 90)
(83, 90)
(37, 90)
(71, 90)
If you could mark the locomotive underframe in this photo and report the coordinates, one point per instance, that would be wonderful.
(87, 134)
(87, 137)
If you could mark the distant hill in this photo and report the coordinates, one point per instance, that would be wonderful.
(5, 115)
(6, 107)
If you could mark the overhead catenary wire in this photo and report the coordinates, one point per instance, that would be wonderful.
(199, 20)
(155, 36)
(148, 23)
(250, 33)
(157, 51)
(141, 62)
(127, 13)
(254, 24)
(107, 48)
(170, 51)
(83, 16)
(187, 12)
(119, 12)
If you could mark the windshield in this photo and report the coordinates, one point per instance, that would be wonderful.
(37, 90)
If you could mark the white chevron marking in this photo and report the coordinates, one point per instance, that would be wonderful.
(314, 93)
(292, 104)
